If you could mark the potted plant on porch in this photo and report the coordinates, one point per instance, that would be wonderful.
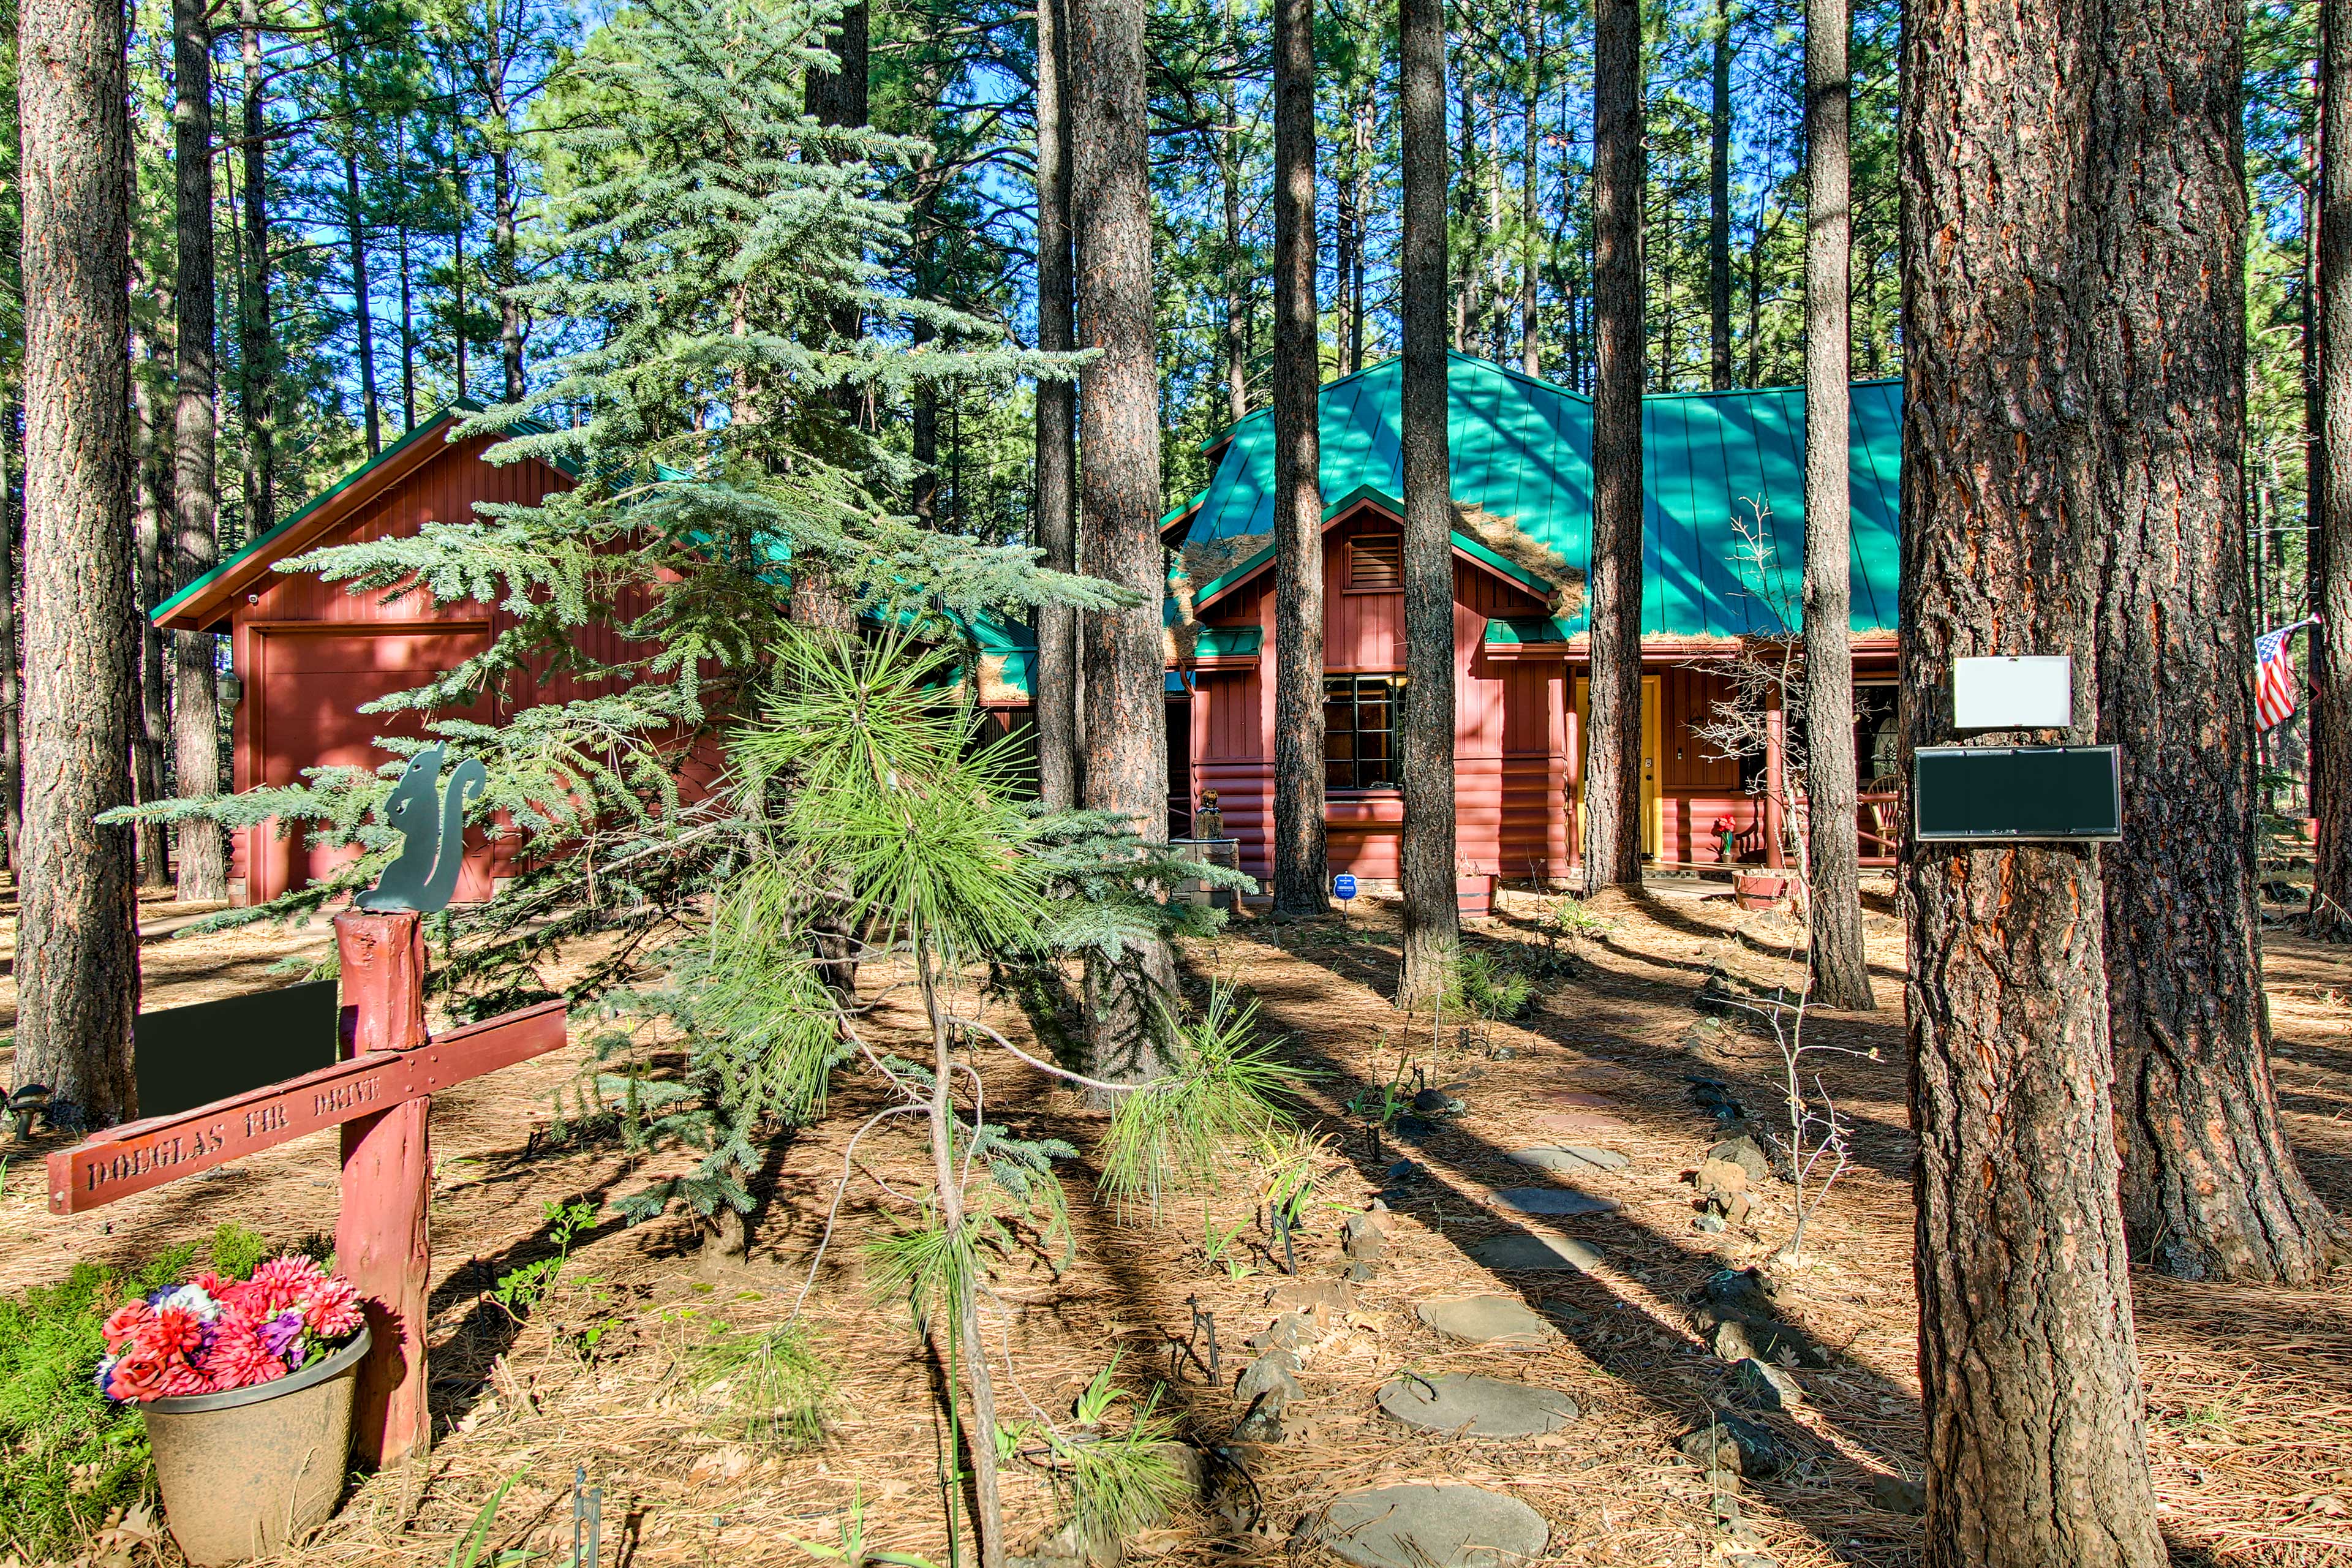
(1473, 890)
(246, 1387)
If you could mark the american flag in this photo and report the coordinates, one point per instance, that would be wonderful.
(2275, 693)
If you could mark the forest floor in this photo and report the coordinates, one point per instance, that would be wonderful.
(2249, 1390)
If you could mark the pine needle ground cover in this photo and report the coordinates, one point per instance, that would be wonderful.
(620, 1365)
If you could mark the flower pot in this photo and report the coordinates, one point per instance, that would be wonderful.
(1474, 894)
(243, 1473)
(1752, 891)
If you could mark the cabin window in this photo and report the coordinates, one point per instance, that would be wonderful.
(1376, 563)
(1360, 713)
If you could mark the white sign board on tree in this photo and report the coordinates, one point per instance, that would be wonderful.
(2023, 692)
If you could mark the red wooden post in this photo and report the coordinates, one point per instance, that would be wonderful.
(1776, 780)
(381, 1242)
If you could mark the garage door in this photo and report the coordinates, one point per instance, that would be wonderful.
(306, 688)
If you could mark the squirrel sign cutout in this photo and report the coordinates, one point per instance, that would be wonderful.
(424, 874)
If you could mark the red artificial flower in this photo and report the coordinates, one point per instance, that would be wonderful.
(140, 1375)
(174, 1332)
(125, 1321)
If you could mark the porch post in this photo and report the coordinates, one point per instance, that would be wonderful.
(1775, 783)
(379, 1238)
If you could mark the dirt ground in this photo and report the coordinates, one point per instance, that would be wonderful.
(2249, 1391)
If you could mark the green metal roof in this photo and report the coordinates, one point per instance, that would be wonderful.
(1521, 449)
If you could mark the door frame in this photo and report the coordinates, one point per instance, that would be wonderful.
(1652, 805)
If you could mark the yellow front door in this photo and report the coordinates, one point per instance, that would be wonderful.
(1653, 822)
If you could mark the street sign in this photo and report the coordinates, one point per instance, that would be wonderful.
(1343, 886)
(2016, 793)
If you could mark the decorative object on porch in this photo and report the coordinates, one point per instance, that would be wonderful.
(1208, 821)
(433, 825)
(1475, 891)
(246, 1387)
(1759, 889)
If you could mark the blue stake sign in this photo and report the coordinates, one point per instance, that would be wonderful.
(1343, 886)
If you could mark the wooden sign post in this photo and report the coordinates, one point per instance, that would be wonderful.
(380, 1094)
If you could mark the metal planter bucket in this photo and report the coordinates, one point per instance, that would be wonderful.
(244, 1472)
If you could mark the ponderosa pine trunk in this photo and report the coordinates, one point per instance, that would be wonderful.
(1840, 968)
(1530, 225)
(363, 314)
(1612, 739)
(1126, 741)
(2209, 1185)
(1718, 196)
(2331, 492)
(12, 685)
(1058, 781)
(1299, 842)
(152, 733)
(256, 342)
(202, 873)
(1236, 278)
(1433, 921)
(2035, 1430)
(76, 965)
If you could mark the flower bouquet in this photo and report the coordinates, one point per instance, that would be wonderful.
(246, 1387)
(210, 1336)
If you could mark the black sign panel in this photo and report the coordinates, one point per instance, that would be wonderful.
(2015, 793)
(193, 1056)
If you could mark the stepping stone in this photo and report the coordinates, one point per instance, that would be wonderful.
(1575, 1159)
(1423, 1526)
(1555, 1201)
(1582, 1126)
(1575, 1099)
(1485, 1321)
(1477, 1406)
(1521, 1253)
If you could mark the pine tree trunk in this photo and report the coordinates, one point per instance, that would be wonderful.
(1530, 228)
(2036, 1449)
(1718, 200)
(12, 684)
(1362, 133)
(150, 734)
(502, 254)
(1425, 739)
(202, 873)
(1466, 297)
(1237, 302)
(1298, 843)
(1613, 745)
(362, 318)
(1058, 781)
(2209, 1185)
(1126, 739)
(2331, 492)
(1841, 970)
(256, 342)
(76, 965)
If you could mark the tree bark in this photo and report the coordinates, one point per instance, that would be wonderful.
(1125, 758)
(151, 734)
(2036, 1448)
(1613, 748)
(78, 950)
(1059, 780)
(12, 685)
(1530, 227)
(1229, 173)
(2331, 492)
(1299, 866)
(256, 342)
(203, 870)
(1360, 129)
(1841, 970)
(1425, 745)
(503, 256)
(2209, 1185)
(1718, 196)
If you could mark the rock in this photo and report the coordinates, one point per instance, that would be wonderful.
(1730, 1443)
(1363, 1238)
(1270, 1381)
(1574, 1160)
(1745, 1152)
(1359, 1273)
(1522, 1253)
(1743, 1292)
(1714, 1096)
(1404, 1171)
(1326, 1298)
(1555, 1201)
(1477, 1406)
(1893, 1494)
(1781, 1344)
(1485, 1320)
(1435, 1102)
(1424, 1526)
(1761, 1385)
(1504, 1053)
(1709, 1223)
(1724, 1176)
(1290, 1331)
(1260, 1426)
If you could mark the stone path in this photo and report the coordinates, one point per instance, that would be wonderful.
(1485, 1321)
(1476, 1406)
(1564, 1201)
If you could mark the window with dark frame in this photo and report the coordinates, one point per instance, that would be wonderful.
(1376, 563)
(1360, 714)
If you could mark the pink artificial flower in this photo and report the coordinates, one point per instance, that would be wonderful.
(331, 1308)
(237, 1359)
(124, 1322)
(183, 1379)
(139, 1374)
(281, 1283)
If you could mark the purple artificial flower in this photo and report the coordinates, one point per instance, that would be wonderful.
(105, 1370)
(280, 1335)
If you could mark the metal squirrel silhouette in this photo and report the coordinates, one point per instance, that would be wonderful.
(433, 851)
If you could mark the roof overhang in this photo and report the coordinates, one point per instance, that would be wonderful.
(204, 603)
(1367, 499)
